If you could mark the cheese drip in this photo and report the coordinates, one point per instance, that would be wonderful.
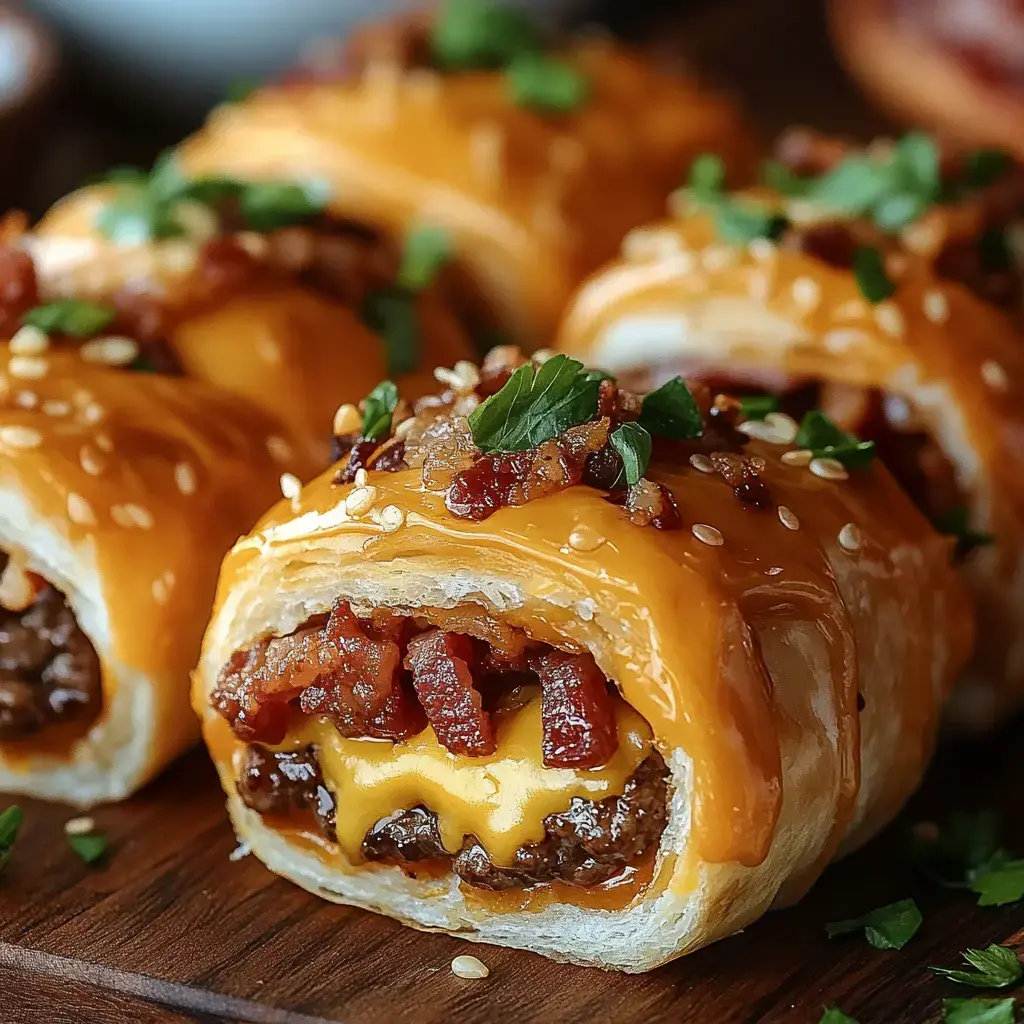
(502, 799)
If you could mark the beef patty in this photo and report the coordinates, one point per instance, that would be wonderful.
(49, 671)
(585, 845)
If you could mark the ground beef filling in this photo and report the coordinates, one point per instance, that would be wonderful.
(591, 842)
(49, 671)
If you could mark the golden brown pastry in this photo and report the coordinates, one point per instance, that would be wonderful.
(119, 494)
(581, 673)
(954, 65)
(869, 311)
(535, 161)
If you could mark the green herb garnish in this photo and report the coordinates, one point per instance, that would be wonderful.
(998, 882)
(756, 407)
(833, 1015)
(90, 847)
(535, 405)
(70, 316)
(707, 177)
(776, 175)
(826, 441)
(392, 315)
(738, 220)
(10, 824)
(378, 410)
(546, 84)
(481, 34)
(995, 967)
(269, 205)
(984, 166)
(425, 251)
(869, 272)
(955, 524)
(671, 411)
(240, 89)
(978, 1011)
(633, 444)
(965, 843)
(889, 927)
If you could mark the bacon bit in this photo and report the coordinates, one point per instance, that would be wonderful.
(441, 673)
(649, 504)
(359, 455)
(242, 698)
(225, 265)
(517, 478)
(740, 474)
(576, 710)
(389, 458)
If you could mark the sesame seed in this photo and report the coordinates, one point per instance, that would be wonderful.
(761, 249)
(849, 537)
(797, 457)
(679, 203)
(103, 442)
(26, 399)
(788, 518)
(28, 367)
(542, 355)
(130, 515)
(79, 826)
(405, 427)
(463, 379)
(79, 510)
(199, 222)
(160, 591)
(895, 265)
(17, 591)
(773, 570)
(469, 967)
(185, 478)
(716, 258)
(254, 244)
(13, 435)
(775, 428)
(936, 307)
(391, 518)
(56, 407)
(291, 487)
(278, 448)
(841, 339)
(889, 319)
(707, 534)
(828, 469)
(583, 538)
(91, 461)
(110, 351)
(347, 420)
(487, 151)
(360, 501)
(806, 293)
(702, 463)
(758, 285)
(362, 477)
(994, 375)
(852, 309)
(29, 341)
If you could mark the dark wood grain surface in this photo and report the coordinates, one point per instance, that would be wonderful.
(168, 929)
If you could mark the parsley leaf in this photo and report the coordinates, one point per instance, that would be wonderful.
(10, 823)
(833, 1015)
(90, 847)
(819, 434)
(535, 405)
(967, 841)
(480, 34)
(869, 272)
(70, 316)
(425, 251)
(392, 315)
(269, 205)
(954, 524)
(995, 967)
(978, 1011)
(889, 927)
(706, 177)
(378, 409)
(671, 411)
(738, 220)
(756, 407)
(776, 175)
(853, 186)
(633, 444)
(546, 84)
(999, 882)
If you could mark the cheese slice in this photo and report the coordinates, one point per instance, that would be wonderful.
(501, 799)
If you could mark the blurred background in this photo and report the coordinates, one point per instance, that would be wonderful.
(85, 84)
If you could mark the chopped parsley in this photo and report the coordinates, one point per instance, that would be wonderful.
(889, 927)
(756, 407)
(70, 316)
(481, 34)
(90, 846)
(378, 410)
(738, 220)
(425, 251)
(967, 842)
(546, 84)
(825, 440)
(535, 405)
(998, 882)
(392, 315)
(633, 444)
(671, 411)
(10, 824)
(869, 273)
(978, 1011)
(995, 967)
(240, 89)
(833, 1015)
(954, 524)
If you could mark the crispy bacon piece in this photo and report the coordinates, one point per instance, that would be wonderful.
(244, 697)
(359, 455)
(441, 672)
(576, 709)
(741, 474)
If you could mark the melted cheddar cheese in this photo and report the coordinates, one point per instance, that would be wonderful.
(502, 799)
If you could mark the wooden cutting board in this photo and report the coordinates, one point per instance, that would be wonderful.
(169, 929)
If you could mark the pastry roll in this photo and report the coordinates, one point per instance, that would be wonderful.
(600, 678)
(886, 310)
(119, 495)
(464, 121)
(292, 317)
